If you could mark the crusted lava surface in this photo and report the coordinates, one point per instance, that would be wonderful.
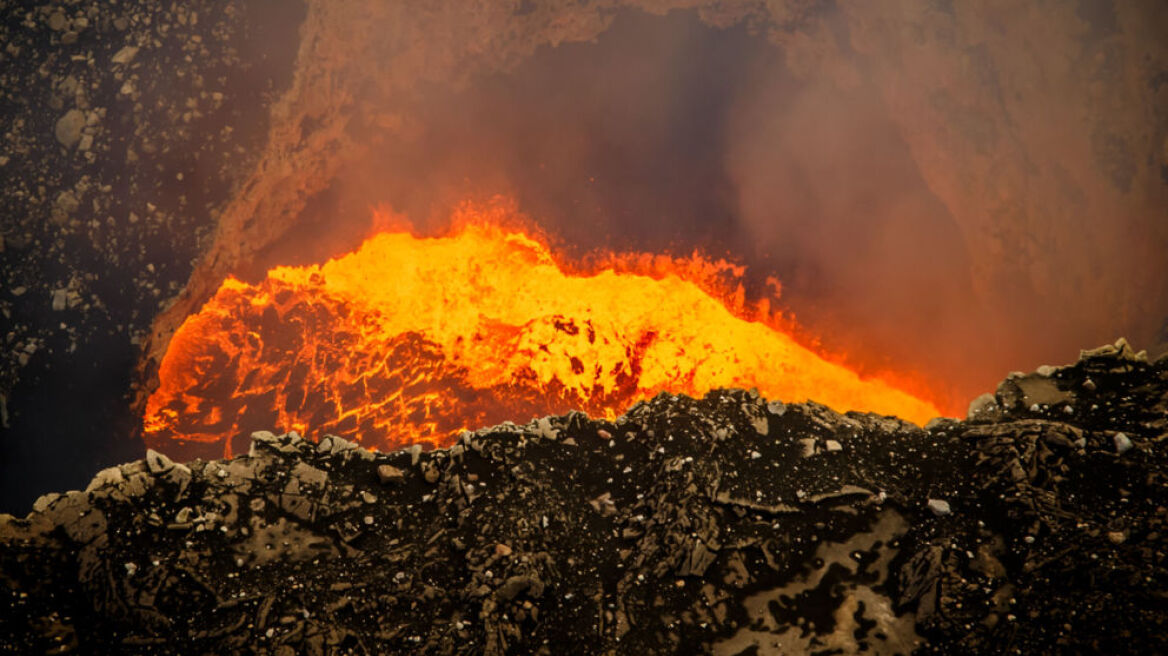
(726, 525)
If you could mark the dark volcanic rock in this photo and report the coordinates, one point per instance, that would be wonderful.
(125, 128)
(726, 525)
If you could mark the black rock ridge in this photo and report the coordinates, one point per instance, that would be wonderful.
(725, 525)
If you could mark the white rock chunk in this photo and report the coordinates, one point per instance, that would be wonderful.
(1123, 443)
(982, 405)
(158, 463)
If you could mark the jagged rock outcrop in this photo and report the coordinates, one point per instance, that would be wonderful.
(725, 525)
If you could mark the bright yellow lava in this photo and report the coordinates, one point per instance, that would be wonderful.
(412, 339)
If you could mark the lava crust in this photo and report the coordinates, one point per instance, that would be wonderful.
(725, 525)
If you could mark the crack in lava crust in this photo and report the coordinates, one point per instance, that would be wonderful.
(411, 340)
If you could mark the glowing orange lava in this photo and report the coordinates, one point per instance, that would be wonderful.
(411, 340)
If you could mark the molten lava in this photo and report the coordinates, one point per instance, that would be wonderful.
(411, 340)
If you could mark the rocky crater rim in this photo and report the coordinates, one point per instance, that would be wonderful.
(1047, 388)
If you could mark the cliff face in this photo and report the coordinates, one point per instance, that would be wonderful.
(1043, 131)
(721, 525)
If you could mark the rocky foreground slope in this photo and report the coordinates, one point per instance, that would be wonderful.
(728, 525)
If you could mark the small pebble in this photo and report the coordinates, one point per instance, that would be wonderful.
(1122, 443)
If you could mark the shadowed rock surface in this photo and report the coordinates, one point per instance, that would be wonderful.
(124, 129)
(726, 525)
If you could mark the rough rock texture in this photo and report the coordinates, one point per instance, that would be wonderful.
(124, 129)
(725, 525)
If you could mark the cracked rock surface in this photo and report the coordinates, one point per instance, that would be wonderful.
(726, 525)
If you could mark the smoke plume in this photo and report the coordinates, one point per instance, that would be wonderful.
(942, 189)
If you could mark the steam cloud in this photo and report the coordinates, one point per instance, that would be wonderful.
(948, 190)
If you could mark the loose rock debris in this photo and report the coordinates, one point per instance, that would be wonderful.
(1017, 530)
(127, 127)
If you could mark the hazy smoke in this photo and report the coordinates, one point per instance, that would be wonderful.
(949, 191)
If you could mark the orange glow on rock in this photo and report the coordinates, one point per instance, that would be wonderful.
(411, 340)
